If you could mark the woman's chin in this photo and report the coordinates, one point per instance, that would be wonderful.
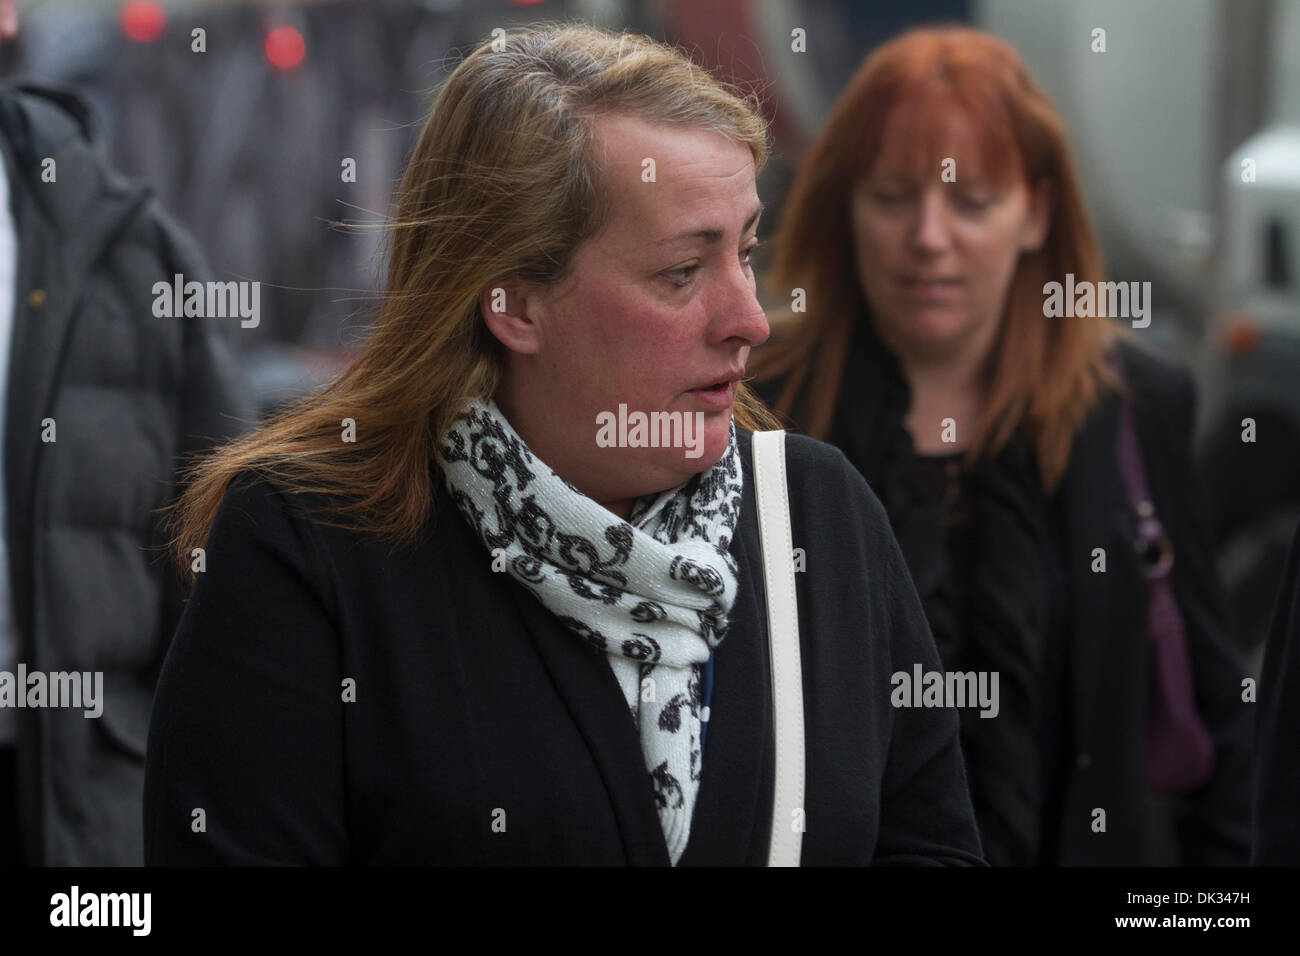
(932, 332)
(717, 435)
(659, 459)
(705, 450)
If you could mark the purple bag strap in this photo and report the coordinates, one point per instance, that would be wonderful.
(1180, 753)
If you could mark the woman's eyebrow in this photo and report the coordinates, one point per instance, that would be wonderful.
(712, 235)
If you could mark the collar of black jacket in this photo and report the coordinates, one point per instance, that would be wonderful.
(85, 202)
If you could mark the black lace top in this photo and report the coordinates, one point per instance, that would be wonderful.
(947, 483)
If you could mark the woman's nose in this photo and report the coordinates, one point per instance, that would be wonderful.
(932, 229)
(737, 311)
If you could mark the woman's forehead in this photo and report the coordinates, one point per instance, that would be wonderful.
(663, 179)
(930, 132)
(623, 138)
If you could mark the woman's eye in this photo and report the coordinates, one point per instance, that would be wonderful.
(682, 277)
(685, 272)
(974, 202)
(889, 197)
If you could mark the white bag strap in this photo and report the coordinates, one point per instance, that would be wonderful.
(783, 640)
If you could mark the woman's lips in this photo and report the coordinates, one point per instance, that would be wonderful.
(931, 290)
(717, 399)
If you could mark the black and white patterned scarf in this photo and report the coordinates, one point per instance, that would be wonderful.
(653, 593)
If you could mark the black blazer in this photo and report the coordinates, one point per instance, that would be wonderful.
(1276, 840)
(1108, 643)
(474, 705)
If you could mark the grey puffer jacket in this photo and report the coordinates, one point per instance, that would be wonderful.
(129, 393)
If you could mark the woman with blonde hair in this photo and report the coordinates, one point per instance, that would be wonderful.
(461, 607)
(1020, 446)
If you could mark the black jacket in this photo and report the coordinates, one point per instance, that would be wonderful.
(474, 705)
(1109, 639)
(1276, 839)
(1108, 648)
(129, 393)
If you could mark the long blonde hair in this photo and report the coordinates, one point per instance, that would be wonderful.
(501, 182)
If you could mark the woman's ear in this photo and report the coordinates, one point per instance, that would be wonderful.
(1038, 222)
(504, 306)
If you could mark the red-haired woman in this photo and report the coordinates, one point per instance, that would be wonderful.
(923, 229)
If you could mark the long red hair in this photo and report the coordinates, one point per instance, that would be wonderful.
(1044, 374)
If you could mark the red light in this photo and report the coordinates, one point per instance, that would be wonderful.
(142, 20)
(285, 48)
(1240, 334)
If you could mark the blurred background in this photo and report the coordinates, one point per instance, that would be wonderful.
(245, 145)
